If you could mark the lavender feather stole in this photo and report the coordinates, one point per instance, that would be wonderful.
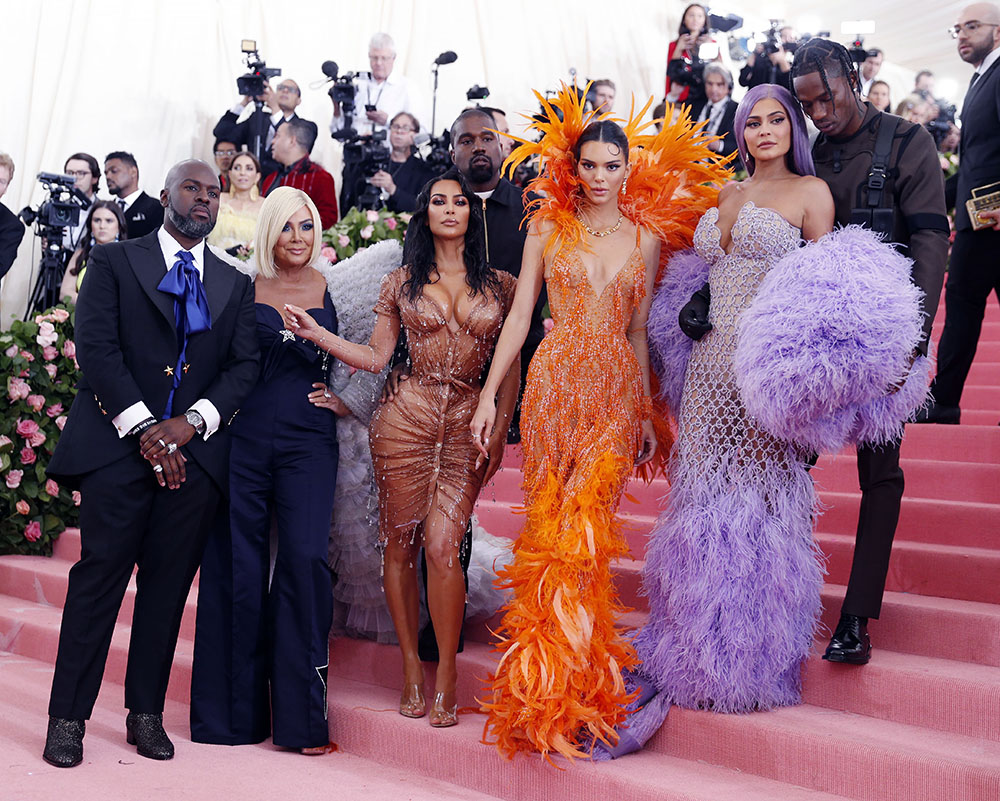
(831, 328)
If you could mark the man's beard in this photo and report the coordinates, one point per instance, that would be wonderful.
(190, 227)
(481, 173)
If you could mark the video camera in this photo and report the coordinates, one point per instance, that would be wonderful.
(857, 50)
(940, 126)
(254, 83)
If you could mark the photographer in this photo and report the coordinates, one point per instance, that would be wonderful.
(683, 62)
(224, 152)
(292, 144)
(771, 62)
(604, 95)
(87, 172)
(406, 174)
(718, 110)
(923, 84)
(869, 69)
(381, 96)
(11, 229)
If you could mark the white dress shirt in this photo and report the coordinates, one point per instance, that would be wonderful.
(392, 96)
(713, 112)
(138, 412)
(129, 200)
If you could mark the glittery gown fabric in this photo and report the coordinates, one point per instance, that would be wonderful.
(559, 680)
(422, 451)
(732, 572)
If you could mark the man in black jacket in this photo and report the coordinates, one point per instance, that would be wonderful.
(167, 354)
(11, 229)
(718, 109)
(142, 213)
(973, 273)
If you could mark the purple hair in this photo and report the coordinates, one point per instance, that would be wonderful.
(801, 157)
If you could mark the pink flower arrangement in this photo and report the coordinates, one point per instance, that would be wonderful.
(22, 507)
(76, 497)
(61, 422)
(36, 402)
(69, 349)
(367, 231)
(50, 352)
(54, 410)
(371, 215)
(328, 253)
(32, 531)
(18, 389)
(51, 487)
(548, 324)
(27, 428)
(36, 439)
(11, 352)
(51, 369)
(59, 315)
(4, 440)
(390, 223)
(27, 455)
(343, 240)
(47, 334)
(27, 356)
(13, 478)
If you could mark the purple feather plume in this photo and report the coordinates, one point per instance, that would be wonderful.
(669, 347)
(832, 327)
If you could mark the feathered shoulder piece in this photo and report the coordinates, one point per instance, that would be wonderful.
(674, 179)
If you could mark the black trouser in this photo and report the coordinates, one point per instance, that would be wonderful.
(881, 481)
(973, 273)
(127, 519)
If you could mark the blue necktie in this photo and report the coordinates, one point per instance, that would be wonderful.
(191, 312)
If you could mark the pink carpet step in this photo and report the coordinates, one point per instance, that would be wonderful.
(980, 417)
(111, 768)
(363, 719)
(925, 478)
(985, 373)
(975, 396)
(964, 443)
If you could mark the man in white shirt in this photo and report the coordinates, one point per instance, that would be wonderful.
(869, 69)
(85, 169)
(718, 109)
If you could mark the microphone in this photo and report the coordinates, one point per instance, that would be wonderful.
(330, 70)
(447, 57)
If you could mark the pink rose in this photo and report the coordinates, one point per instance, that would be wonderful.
(13, 478)
(11, 352)
(41, 318)
(36, 439)
(46, 334)
(367, 231)
(54, 410)
(328, 253)
(49, 352)
(371, 215)
(61, 422)
(18, 389)
(36, 402)
(27, 356)
(4, 441)
(343, 240)
(548, 324)
(69, 349)
(32, 531)
(22, 507)
(27, 455)
(59, 315)
(51, 369)
(390, 223)
(26, 428)
(76, 497)
(52, 488)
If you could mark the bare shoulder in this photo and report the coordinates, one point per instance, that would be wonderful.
(541, 229)
(811, 188)
(649, 245)
(727, 191)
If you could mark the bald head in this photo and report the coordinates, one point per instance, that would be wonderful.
(188, 167)
(191, 198)
(978, 32)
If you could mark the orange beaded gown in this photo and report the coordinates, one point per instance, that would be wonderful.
(422, 453)
(560, 674)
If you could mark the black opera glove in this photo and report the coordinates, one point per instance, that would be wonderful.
(693, 318)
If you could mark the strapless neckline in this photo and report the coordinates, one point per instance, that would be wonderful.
(716, 232)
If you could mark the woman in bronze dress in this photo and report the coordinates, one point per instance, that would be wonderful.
(452, 305)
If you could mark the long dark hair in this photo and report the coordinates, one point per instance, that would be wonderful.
(682, 28)
(87, 237)
(418, 251)
(602, 131)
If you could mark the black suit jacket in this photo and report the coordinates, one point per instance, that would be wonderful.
(980, 143)
(725, 128)
(242, 134)
(144, 216)
(11, 234)
(409, 178)
(125, 340)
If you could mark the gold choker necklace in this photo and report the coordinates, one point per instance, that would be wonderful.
(608, 232)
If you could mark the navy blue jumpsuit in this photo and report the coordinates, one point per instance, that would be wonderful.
(262, 648)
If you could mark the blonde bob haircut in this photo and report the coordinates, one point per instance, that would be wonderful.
(278, 208)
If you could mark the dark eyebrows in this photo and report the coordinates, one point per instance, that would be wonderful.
(616, 160)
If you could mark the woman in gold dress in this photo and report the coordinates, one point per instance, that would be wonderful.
(239, 207)
(452, 305)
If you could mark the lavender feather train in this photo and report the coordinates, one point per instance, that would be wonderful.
(833, 326)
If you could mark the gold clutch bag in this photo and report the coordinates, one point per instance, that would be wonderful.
(984, 198)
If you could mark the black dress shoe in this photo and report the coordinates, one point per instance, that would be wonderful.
(64, 742)
(145, 731)
(937, 413)
(850, 642)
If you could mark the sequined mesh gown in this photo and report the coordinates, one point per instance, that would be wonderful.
(559, 679)
(732, 572)
(422, 450)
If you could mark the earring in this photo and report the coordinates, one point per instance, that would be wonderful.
(624, 185)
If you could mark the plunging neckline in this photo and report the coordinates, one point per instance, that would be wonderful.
(614, 278)
(444, 317)
(718, 231)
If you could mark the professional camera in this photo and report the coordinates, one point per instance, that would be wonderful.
(60, 210)
(343, 92)
(254, 83)
(477, 92)
(940, 126)
(857, 50)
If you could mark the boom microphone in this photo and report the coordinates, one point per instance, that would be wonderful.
(330, 70)
(447, 57)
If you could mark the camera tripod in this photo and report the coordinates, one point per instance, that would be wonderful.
(51, 267)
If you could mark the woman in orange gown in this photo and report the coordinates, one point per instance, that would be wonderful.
(587, 418)
(428, 472)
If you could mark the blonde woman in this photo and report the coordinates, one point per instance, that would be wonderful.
(261, 653)
(239, 207)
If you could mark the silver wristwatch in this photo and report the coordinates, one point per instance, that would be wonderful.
(195, 419)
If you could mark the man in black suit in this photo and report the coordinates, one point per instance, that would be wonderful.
(973, 272)
(142, 213)
(718, 109)
(11, 229)
(168, 353)
(279, 107)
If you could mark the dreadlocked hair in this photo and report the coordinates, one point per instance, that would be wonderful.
(827, 58)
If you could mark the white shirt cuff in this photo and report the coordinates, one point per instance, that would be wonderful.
(130, 418)
(209, 414)
(238, 109)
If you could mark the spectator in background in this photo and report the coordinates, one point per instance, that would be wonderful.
(11, 229)
(923, 84)
(914, 108)
(87, 172)
(764, 67)
(239, 207)
(143, 214)
(407, 173)
(949, 142)
(279, 108)
(292, 144)
(604, 94)
(507, 144)
(878, 96)
(869, 69)
(224, 151)
(718, 110)
(684, 51)
(105, 223)
(659, 112)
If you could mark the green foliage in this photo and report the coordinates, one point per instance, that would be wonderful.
(358, 229)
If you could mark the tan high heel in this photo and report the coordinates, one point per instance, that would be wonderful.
(442, 718)
(412, 703)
